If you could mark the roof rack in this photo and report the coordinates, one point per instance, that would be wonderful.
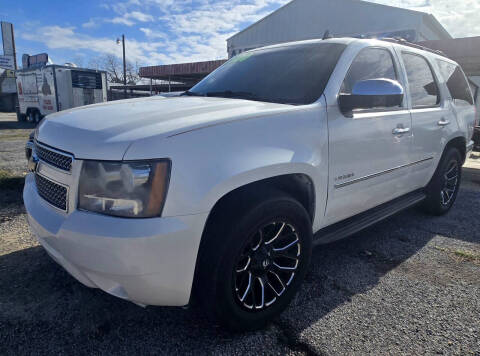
(411, 44)
(397, 40)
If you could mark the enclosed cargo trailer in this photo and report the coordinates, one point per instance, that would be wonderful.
(51, 88)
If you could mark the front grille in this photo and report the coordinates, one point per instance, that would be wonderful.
(61, 161)
(54, 193)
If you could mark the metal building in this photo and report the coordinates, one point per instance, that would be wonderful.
(181, 76)
(308, 19)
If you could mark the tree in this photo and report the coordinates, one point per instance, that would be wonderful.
(114, 68)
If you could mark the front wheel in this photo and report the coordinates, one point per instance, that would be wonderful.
(443, 188)
(252, 267)
(21, 117)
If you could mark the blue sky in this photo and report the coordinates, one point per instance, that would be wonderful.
(169, 31)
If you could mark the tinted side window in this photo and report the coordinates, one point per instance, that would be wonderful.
(456, 82)
(370, 63)
(423, 87)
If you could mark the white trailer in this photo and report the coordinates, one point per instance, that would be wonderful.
(51, 88)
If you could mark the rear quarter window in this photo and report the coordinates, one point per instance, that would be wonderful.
(456, 82)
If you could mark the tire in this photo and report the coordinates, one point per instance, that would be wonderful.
(443, 188)
(21, 117)
(31, 116)
(37, 116)
(224, 275)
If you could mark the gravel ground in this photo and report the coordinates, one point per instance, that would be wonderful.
(409, 285)
(13, 136)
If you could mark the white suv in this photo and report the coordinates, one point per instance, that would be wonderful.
(222, 192)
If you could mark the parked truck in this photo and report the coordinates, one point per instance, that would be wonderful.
(51, 88)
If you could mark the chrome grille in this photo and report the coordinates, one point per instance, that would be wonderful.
(53, 193)
(54, 158)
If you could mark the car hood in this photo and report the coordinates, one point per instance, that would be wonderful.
(105, 131)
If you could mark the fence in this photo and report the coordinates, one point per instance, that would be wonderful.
(113, 94)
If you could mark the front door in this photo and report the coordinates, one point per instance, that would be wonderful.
(369, 152)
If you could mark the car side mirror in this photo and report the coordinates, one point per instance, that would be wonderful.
(372, 94)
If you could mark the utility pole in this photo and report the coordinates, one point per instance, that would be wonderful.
(124, 69)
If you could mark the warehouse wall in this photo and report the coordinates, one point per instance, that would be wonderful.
(307, 19)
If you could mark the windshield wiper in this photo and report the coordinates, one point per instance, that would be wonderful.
(232, 94)
(190, 93)
(224, 94)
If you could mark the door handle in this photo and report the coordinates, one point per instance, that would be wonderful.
(443, 122)
(400, 130)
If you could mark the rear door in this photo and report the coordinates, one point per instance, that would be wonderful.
(29, 89)
(431, 117)
(46, 93)
(368, 159)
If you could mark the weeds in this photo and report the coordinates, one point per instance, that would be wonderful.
(461, 255)
(15, 135)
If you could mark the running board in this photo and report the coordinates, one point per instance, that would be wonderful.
(363, 220)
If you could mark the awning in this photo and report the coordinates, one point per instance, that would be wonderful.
(183, 72)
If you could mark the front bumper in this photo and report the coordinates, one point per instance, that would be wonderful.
(146, 261)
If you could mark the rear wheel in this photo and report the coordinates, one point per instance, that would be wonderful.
(443, 188)
(31, 116)
(37, 116)
(254, 262)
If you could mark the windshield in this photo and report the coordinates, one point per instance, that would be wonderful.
(287, 75)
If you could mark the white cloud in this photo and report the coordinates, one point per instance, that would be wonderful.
(149, 33)
(461, 18)
(140, 16)
(56, 37)
(121, 21)
(130, 18)
(220, 16)
(200, 32)
(92, 23)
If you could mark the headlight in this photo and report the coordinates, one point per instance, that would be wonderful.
(129, 189)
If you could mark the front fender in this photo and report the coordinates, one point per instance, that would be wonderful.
(254, 175)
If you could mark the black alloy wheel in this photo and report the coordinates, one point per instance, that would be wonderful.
(267, 265)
